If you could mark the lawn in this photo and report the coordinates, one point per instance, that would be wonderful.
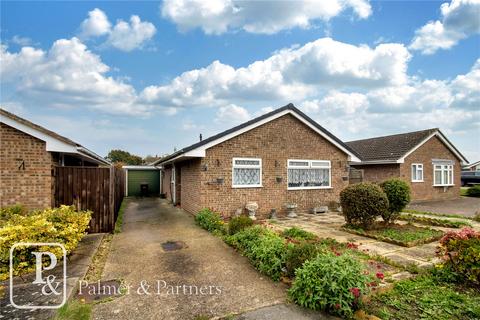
(404, 235)
(426, 297)
(434, 221)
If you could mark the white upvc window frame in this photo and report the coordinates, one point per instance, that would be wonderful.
(443, 168)
(259, 166)
(310, 166)
(418, 168)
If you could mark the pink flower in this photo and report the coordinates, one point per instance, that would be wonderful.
(380, 275)
(337, 306)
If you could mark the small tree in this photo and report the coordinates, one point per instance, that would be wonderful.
(125, 157)
(398, 194)
(362, 203)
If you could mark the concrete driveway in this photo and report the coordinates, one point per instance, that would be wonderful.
(233, 285)
(465, 206)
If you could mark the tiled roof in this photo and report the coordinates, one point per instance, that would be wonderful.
(389, 148)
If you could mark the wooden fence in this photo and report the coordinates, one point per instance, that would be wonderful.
(355, 175)
(99, 190)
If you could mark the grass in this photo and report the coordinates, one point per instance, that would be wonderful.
(464, 191)
(426, 297)
(121, 211)
(74, 310)
(95, 269)
(299, 234)
(404, 235)
(434, 221)
(447, 215)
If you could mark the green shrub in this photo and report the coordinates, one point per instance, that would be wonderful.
(398, 194)
(210, 221)
(298, 234)
(461, 254)
(61, 225)
(331, 283)
(264, 248)
(8, 212)
(297, 254)
(362, 203)
(474, 191)
(238, 224)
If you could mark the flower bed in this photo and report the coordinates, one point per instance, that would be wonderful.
(434, 221)
(402, 235)
(60, 225)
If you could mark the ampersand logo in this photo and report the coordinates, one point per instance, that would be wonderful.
(50, 278)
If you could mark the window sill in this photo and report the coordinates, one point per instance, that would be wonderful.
(443, 185)
(415, 181)
(308, 188)
(244, 187)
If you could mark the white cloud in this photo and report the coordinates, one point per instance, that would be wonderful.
(21, 41)
(125, 36)
(232, 115)
(268, 17)
(289, 74)
(460, 19)
(67, 75)
(97, 24)
(129, 36)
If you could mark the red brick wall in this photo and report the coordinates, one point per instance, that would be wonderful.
(31, 187)
(274, 142)
(379, 172)
(191, 185)
(432, 149)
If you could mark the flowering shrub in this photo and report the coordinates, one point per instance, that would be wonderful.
(210, 221)
(331, 283)
(362, 203)
(461, 253)
(62, 225)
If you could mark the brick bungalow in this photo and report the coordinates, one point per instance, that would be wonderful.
(425, 159)
(280, 157)
(472, 167)
(28, 156)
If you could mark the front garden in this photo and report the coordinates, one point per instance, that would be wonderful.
(342, 280)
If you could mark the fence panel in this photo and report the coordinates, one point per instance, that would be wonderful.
(99, 190)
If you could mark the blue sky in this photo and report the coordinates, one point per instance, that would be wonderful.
(150, 76)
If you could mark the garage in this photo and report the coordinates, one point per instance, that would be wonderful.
(142, 181)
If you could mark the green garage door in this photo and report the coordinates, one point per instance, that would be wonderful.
(138, 177)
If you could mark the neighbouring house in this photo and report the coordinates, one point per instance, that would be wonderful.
(29, 155)
(278, 158)
(142, 180)
(472, 167)
(426, 159)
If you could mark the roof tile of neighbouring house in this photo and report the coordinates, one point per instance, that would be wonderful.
(289, 106)
(389, 148)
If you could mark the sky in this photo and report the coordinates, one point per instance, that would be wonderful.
(148, 77)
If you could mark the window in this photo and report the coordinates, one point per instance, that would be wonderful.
(309, 174)
(442, 175)
(417, 172)
(246, 173)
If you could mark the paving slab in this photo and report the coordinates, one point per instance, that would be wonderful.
(283, 312)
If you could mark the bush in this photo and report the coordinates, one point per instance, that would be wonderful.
(238, 224)
(398, 194)
(264, 248)
(210, 221)
(331, 283)
(8, 212)
(362, 203)
(298, 234)
(461, 254)
(62, 225)
(474, 191)
(297, 255)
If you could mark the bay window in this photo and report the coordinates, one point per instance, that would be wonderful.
(246, 173)
(308, 174)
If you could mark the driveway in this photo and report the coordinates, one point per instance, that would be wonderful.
(137, 255)
(466, 206)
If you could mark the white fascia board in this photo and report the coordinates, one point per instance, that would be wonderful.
(200, 151)
(52, 144)
(376, 162)
(129, 167)
(443, 139)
